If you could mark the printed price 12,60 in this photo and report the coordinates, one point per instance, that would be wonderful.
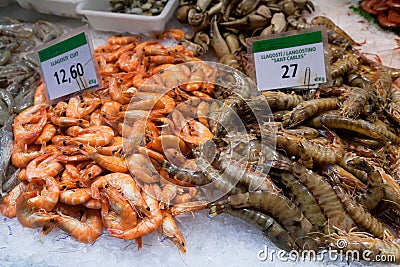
(75, 71)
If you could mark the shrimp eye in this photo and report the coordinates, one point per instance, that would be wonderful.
(120, 108)
(89, 175)
(52, 220)
(148, 208)
(64, 143)
(104, 115)
(106, 186)
(80, 121)
(81, 146)
(64, 187)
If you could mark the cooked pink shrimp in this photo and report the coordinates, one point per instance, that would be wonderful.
(144, 227)
(170, 229)
(75, 196)
(47, 195)
(85, 230)
(8, 205)
(126, 185)
(44, 165)
(29, 217)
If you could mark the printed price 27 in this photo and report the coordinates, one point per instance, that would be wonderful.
(289, 71)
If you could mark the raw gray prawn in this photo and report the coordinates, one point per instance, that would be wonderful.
(274, 203)
(279, 100)
(269, 227)
(224, 115)
(374, 192)
(220, 116)
(382, 85)
(24, 100)
(5, 56)
(46, 30)
(304, 131)
(302, 197)
(252, 180)
(308, 109)
(195, 177)
(221, 181)
(361, 175)
(356, 144)
(321, 190)
(249, 150)
(4, 114)
(6, 148)
(344, 178)
(311, 151)
(353, 105)
(391, 190)
(364, 220)
(343, 66)
(393, 108)
(9, 183)
(360, 126)
(8, 100)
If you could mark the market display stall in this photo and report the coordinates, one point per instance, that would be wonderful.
(166, 125)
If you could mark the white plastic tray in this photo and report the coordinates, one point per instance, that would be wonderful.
(64, 8)
(101, 18)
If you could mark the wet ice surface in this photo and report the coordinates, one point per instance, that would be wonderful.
(220, 241)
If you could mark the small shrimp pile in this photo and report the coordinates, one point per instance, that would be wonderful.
(19, 77)
(76, 174)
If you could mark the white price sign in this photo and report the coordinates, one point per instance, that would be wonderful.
(68, 67)
(290, 61)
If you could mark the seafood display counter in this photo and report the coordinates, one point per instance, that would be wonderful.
(287, 168)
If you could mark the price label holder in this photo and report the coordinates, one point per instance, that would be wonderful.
(67, 66)
(294, 59)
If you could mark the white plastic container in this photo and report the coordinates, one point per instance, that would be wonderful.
(64, 8)
(101, 18)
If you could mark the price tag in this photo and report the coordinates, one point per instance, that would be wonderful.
(290, 61)
(67, 66)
